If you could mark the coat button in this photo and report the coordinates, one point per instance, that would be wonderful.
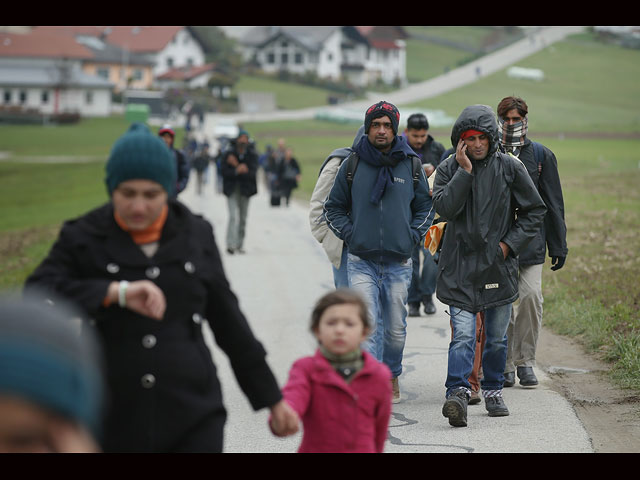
(113, 268)
(197, 318)
(152, 272)
(149, 341)
(189, 267)
(148, 380)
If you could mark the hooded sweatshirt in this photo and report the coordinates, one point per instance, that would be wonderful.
(480, 210)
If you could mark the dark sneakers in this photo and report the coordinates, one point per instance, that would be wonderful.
(527, 377)
(509, 379)
(455, 408)
(496, 407)
(429, 307)
(414, 309)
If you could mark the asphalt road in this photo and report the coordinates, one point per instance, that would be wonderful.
(278, 280)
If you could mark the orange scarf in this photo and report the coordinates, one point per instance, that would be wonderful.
(150, 234)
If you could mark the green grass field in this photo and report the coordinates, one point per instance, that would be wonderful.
(587, 110)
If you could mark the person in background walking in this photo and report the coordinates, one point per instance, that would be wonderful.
(526, 318)
(51, 380)
(423, 284)
(342, 394)
(181, 164)
(288, 175)
(477, 192)
(147, 273)
(201, 166)
(239, 166)
(382, 215)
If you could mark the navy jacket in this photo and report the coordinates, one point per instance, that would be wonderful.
(386, 231)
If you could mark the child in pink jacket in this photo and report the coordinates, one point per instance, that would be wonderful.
(342, 393)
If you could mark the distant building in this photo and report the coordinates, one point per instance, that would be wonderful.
(165, 47)
(361, 55)
(44, 73)
(187, 77)
(122, 68)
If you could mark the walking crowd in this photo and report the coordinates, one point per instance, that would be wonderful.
(141, 273)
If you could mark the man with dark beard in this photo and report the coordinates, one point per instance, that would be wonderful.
(381, 216)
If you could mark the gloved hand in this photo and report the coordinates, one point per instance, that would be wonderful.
(557, 262)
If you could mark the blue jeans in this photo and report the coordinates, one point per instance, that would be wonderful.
(462, 348)
(422, 284)
(384, 287)
(340, 276)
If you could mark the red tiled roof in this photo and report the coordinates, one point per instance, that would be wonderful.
(381, 44)
(134, 38)
(41, 45)
(186, 73)
(383, 37)
(142, 39)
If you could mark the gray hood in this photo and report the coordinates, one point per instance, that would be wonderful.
(477, 117)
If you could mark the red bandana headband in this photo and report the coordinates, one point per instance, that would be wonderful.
(470, 133)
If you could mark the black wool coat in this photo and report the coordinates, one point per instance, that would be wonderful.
(160, 374)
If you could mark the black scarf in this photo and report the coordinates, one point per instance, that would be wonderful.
(384, 161)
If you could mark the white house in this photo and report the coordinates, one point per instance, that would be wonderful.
(362, 55)
(166, 46)
(53, 87)
(44, 73)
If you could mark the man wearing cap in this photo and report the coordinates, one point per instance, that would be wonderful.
(423, 284)
(182, 166)
(381, 216)
(239, 167)
(477, 192)
(147, 273)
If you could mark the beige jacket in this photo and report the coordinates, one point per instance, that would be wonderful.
(331, 244)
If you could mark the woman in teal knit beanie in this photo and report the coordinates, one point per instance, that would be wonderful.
(146, 273)
(139, 154)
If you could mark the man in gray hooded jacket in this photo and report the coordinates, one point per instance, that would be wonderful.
(493, 211)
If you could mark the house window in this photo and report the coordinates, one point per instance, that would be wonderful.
(88, 97)
(329, 57)
(7, 96)
(271, 58)
(44, 96)
(169, 62)
(284, 58)
(137, 74)
(190, 62)
(103, 72)
(299, 58)
(284, 44)
(23, 97)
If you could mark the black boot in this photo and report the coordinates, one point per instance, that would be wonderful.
(527, 377)
(414, 309)
(455, 408)
(429, 307)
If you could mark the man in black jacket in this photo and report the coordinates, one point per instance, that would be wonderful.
(526, 318)
(423, 284)
(477, 192)
(239, 167)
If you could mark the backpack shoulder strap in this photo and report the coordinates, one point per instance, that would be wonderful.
(417, 167)
(352, 165)
(538, 154)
